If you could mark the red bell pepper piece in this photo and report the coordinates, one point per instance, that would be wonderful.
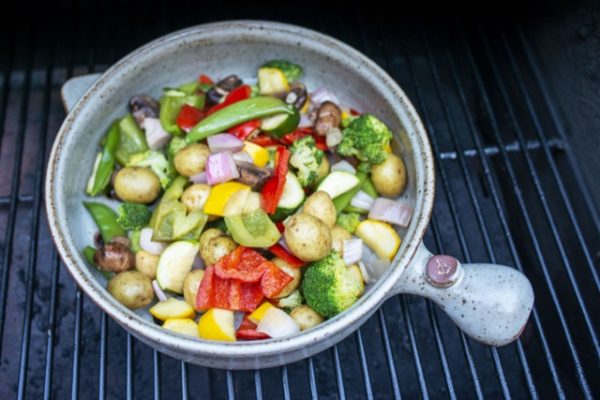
(264, 141)
(247, 331)
(274, 280)
(299, 133)
(188, 117)
(240, 93)
(273, 189)
(244, 130)
(205, 79)
(280, 226)
(280, 252)
(354, 112)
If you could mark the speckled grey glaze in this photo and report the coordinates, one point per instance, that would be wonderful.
(239, 47)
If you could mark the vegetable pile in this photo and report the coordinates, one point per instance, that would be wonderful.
(235, 211)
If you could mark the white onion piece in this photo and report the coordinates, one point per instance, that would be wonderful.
(224, 142)
(364, 272)
(305, 121)
(362, 200)
(243, 156)
(220, 167)
(391, 211)
(352, 251)
(283, 244)
(343, 166)
(198, 178)
(375, 265)
(322, 95)
(147, 244)
(276, 323)
(156, 136)
(333, 137)
(160, 295)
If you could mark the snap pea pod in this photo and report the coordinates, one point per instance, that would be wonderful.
(170, 106)
(237, 113)
(106, 219)
(106, 163)
(343, 200)
(131, 141)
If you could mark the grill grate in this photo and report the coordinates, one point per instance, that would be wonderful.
(509, 191)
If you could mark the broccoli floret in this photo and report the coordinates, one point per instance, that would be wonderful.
(306, 158)
(366, 138)
(292, 71)
(176, 144)
(348, 221)
(328, 287)
(133, 216)
(292, 301)
(134, 236)
(158, 163)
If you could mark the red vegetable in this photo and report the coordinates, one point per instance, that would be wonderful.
(280, 226)
(243, 131)
(205, 79)
(273, 189)
(281, 252)
(305, 131)
(264, 141)
(240, 93)
(188, 117)
(247, 330)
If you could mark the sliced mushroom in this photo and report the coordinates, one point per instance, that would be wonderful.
(125, 241)
(114, 257)
(222, 88)
(297, 95)
(329, 116)
(143, 106)
(251, 175)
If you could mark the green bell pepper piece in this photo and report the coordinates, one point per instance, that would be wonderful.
(106, 219)
(132, 140)
(253, 230)
(170, 106)
(102, 172)
(237, 113)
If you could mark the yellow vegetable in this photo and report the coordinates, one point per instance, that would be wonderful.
(388, 148)
(220, 194)
(184, 326)
(304, 108)
(272, 81)
(217, 324)
(259, 313)
(172, 308)
(380, 237)
(252, 203)
(236, 203)
(259, 154)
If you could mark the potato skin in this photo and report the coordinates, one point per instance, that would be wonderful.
(146, 263)
(207, 236)
(194, 197)
(137, 185)
(295, 273)
(191, 283)
(131, 288)
(338, 235)
(191, 160)
(319, 205)
(308, 237)
(216, 248)
(306, 317)
(389, 177)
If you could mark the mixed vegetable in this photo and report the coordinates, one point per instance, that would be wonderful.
(245, 211)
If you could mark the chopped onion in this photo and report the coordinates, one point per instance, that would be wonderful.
(322, 95)
(364, 272)
(352, 251)
(147, 244)
(391, 211)
(362, 200)
(198, 263)
(238, 318)
(343, 166)
(283, 244)
(160, 295)
(276, 323)
(156, 136)
(376, 266)
(198, 178)
(333, 137)
(243, 156)
(305, 121)
(220, 167)
(224, 142)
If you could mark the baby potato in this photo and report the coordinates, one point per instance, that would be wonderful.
(137, 185)
(194, 197)
(217, 248)
(308, 237)
(131, 288)
(338, 235)
(319, 205)
(306, 317)
(207, 236)
(191, 283)
(295, 273)
(191, 160)
(323, 169)
(389, 177)
(146, 263)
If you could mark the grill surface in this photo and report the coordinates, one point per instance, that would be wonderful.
(509, 191)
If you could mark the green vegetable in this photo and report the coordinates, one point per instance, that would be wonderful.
(348, 221)
(292, 71)
(134, 236)
(368, 188)
(174, 263)
(280, 125)
(328, 287)
(293, 194)
(219, 223)
(131, 141)
(158, 163)
(366, 138)
(133, 216)
(342, 201)
(253, 230)
(338, 183)
(175, 145)
(306, 158)
(170, 106)
(106, 219)
(292, 301)
(237, 113)
(105, 163)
